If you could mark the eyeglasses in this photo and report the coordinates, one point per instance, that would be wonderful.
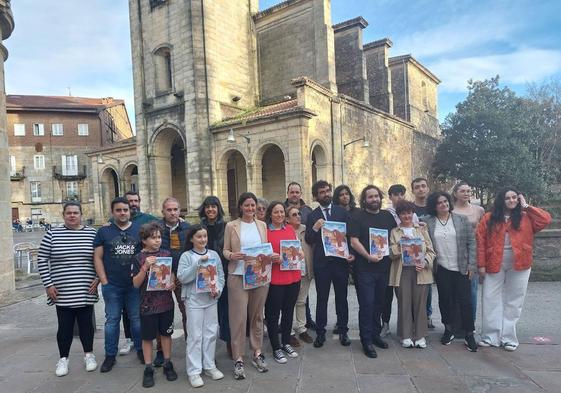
(261, 208)
(295, 214)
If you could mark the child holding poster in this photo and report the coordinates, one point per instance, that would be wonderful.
(200, 271)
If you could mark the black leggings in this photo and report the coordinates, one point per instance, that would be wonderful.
(281, 298)
(66, 317)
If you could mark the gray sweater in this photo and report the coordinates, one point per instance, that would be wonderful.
(187, 275)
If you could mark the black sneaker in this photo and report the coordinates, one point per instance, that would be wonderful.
(447, 337)
(148, 377)
(169, 372)
(470, 343)
(140, 356)
(159, 359)
(107, 364)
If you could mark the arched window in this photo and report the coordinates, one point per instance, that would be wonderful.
(164, 77)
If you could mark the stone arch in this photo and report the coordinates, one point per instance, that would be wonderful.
(167, 151)
(319, 162)
(270, 177)
(130, 177)
(109, 184)
(233, 178)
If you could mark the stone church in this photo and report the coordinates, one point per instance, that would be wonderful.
(229, 98)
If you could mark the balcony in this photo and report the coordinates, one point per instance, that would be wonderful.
(69, 175)
(71, 197)
(18, 175)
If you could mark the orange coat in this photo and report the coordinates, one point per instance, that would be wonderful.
(490, 245)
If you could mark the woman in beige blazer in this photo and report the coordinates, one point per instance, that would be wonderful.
(244, 304)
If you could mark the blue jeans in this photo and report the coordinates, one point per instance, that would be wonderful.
(474, 285)
(115, 299)
(371, 291)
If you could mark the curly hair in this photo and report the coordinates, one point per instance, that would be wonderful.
(337, 194)
(432, 201)
(498, 211)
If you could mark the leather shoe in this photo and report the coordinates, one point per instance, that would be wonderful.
(320, 339)
(306, 337)
(344, 339)
(377, 340)
(370, 351)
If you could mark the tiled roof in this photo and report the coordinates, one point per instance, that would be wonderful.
(265, 111)
(59, 102)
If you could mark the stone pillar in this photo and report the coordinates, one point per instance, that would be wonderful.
(378, 73)
(7, 283)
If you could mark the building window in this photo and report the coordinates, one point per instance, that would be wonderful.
(72, 190)
(69, 165)
(164, 79)
(35, 191)
(39, 161)
(58, 130)
(83, 130)
(38, 129)
(19, 129)
(36, 215)
(156, 3)
(13, 165)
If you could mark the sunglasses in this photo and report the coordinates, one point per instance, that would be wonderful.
(295, 214)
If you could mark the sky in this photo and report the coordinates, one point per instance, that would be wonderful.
(83, 46)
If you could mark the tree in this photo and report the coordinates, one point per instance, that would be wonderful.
(490, 142)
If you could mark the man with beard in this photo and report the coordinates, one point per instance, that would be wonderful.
(328, 270)
(372, 271)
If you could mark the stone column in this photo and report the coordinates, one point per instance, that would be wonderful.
(7, 282)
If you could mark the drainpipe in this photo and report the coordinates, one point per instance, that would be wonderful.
(332, 143)
(211, 140)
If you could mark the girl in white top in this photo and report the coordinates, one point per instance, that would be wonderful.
(195, 265)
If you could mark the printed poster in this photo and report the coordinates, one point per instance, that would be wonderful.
(379, 244)
(159, 277)
(257, 265)
(292, 255)
(334, 239)
(412, 253)
(207, 275)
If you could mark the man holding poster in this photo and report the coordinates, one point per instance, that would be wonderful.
(331, 269)
(369, 229)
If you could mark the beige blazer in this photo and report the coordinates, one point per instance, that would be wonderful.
(308, 251)
(424, 276)
(232, 242)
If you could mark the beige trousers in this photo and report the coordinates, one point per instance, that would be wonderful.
(300, 308)
(243, 305)
(411, 306)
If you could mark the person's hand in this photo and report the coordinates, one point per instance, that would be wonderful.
(350, 258)
(275, 258)
(237, 256)
(93, 286)
(482, 273)
(52, 293)
(470, 274)
(170, 286)
(375, 258)
(214, 292)
(522, 201)
(422, 223)
(151, 260)
(420, 266)
(318, 225)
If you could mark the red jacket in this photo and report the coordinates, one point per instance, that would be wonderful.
(282, 277)
(490, 245)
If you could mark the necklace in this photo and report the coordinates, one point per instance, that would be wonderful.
(445, 222)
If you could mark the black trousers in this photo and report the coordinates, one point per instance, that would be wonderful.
(66, 317)
(126, 324)
(388, 300)
(338, 274)
(281, 300)
(223, 320)
(454, 291)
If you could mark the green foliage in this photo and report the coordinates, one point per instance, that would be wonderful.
(496, 138)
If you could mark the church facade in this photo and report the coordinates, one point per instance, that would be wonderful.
(229, 98)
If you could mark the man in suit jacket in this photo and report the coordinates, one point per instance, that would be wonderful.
(328, 270)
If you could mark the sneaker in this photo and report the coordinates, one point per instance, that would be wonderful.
(159, 359)
(407, 343)
(196, 381)
(214, 373)
(90, 362)
(239, 371)
(421, 343)
(510, 347)
(470, 343)
(484, 343)
(140, 356)
(107, 364)
(148, 377)
(127, 347)
(169, 372)
(385, 329)
(259, 363)
(62, 367)
(289, 351)
(279, 357)
(447, 337)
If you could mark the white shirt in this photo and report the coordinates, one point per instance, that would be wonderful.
(324, 212)
(445, 245)
(249, 236)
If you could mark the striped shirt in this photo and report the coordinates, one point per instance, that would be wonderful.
(65, 260)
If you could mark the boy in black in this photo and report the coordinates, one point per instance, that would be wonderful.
(156, 306)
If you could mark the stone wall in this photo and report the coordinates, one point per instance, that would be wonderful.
(547, 256)
(423, 150)
(378, 73)
(400, 90)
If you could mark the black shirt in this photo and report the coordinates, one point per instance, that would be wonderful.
(360, 223)
(421, 211)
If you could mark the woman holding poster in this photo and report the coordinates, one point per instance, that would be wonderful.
(244, 232)
(412, 256)
(285, 284)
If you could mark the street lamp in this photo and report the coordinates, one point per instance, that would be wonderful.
(232, 137)
(100, 160)
(365, 142)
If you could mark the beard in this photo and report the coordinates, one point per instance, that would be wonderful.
(325, 202)
(374, 206)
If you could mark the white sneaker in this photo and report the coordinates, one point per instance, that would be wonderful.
(385, 329)
(214, 373)
(62, 367)
(484, 343)
(196, 381)
(90, 362)
(510, 347)
(127, 347)
(421, 343)
(407, 343)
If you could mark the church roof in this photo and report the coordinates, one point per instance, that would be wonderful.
(279, 108)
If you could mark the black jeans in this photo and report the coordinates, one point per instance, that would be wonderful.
(126, 323)
(223, 320)
(66, 317)
(454, 291)
(371, 291)
(280, 300)
(338, 274)
(388, 299)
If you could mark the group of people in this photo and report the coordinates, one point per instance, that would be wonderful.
(437, 237)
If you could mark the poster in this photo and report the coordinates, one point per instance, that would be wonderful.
(292, 255)
(334, 239)
(159, 277)
(257, 265)
(207, 275)
(412, 253)
(379, 244)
